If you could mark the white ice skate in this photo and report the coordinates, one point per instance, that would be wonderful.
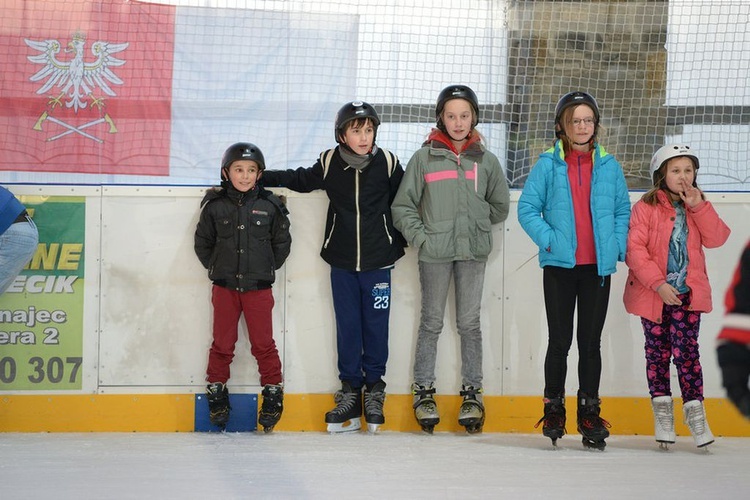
(695, 419)
(663, 421)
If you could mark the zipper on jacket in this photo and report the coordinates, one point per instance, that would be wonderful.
(330, 233)
(385, 226)
(359, 222)
(580, 182)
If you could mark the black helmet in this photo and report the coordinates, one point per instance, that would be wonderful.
(354, 111)
(243, 151)
(456, 92)
(574, 99)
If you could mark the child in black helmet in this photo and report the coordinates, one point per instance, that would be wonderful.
(361, 246)
(242, 238)
(454, 189)
(575, 206)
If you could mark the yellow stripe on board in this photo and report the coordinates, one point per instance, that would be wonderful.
(306, 412)
(98, 413)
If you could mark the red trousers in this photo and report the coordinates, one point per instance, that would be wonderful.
(257, 307)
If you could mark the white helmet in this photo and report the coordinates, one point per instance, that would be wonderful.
(668, 152)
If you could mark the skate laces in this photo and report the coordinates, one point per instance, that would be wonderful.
(593, 421)
(696, 419)
(471, 400)
(664, 415)
(553, 418)
(424, 397)
(272, 398)
(345, 401)
(374, 402)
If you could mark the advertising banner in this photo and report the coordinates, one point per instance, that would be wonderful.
(41, 314)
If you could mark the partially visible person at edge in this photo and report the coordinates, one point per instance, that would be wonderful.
(19, 238)
(575, 206)
(734, 338)
(361, 246)
(453, 190)
(668, 286)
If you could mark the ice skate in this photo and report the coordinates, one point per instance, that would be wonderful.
(345, 417)
(272, 407)
(553, 419)
(425, 408)
(218, 404)
(471, 413)
(695, 419)
(592, 427)
(663, 421)
(374, 398)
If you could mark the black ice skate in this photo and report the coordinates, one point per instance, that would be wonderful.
(272, 407)
(374, 398)
(345, 417)
(554, 419)
(592, 427)
(218, 404)
(425, 408)
(471, 414)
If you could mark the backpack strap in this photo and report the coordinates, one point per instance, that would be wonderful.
(326, 157)
(390, 160)
(325, 160)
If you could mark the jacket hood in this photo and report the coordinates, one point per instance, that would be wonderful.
(558, 153)
(437, 135)
(228, 191)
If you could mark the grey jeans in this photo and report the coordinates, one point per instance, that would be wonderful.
(435, 279)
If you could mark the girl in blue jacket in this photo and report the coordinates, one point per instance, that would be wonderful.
(575, 206)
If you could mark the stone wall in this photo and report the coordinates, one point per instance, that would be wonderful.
(613, 50)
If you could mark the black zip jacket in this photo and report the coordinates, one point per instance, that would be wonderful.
(359, 234)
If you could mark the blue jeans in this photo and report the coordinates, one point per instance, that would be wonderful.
(17, 245)
(435, 279)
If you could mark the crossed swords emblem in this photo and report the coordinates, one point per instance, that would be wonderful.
(72, 129)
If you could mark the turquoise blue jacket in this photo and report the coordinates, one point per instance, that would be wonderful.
(545, 210)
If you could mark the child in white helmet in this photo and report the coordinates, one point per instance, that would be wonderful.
(668, 286)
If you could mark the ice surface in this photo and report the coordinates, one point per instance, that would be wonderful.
(389, 465)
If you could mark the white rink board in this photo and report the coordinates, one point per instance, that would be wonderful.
(148, 328)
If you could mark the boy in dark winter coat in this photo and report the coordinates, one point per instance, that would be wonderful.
(361, 245)
(242, 238)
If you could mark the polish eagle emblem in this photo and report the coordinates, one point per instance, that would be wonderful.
(76, 77)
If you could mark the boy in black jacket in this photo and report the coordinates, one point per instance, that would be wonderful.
(361, 245)
(242, 238)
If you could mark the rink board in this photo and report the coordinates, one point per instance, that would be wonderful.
(305, 413)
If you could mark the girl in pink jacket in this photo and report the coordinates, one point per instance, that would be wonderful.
(668, 286)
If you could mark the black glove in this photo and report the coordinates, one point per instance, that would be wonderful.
(734, 360)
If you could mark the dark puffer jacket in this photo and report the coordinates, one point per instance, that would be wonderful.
(242, 238)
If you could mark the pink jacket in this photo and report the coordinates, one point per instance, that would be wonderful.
(648, 250)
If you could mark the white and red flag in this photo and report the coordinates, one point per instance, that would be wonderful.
(86, 88)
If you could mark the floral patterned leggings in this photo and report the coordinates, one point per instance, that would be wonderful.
(675, 337)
